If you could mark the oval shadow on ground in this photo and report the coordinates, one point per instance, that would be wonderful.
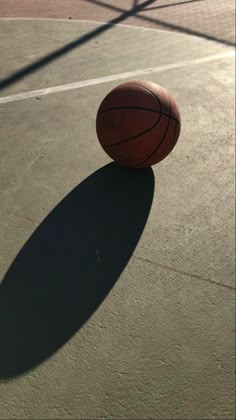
(70, 263)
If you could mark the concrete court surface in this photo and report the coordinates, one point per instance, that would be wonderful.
(121, 304)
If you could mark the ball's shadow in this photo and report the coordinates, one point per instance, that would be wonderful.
(70, 263)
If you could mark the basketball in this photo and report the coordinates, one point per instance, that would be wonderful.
(138, 124)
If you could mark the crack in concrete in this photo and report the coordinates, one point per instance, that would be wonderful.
(185, 273)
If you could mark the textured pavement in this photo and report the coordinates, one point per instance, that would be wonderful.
(121, 303)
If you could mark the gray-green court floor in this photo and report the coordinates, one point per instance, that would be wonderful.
(117, 293)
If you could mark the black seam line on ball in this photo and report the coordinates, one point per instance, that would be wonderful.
(146, 131)
(158, 100)
(141, 108)
(163, 138)
(138, 108)
(174, 141)
(133, 137)
(148, 90)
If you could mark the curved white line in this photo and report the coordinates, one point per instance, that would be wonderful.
(93, 22)
(102, 23)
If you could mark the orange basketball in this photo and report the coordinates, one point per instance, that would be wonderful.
(138, 124)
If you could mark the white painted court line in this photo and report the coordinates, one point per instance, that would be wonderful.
(106, 79)
(102, 23)
(86, 21)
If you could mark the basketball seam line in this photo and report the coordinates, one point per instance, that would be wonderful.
(158, 100)
(149, 90)
(146, 131)
(133, 137)
(155, 150)
(174, 141)
(138, 108)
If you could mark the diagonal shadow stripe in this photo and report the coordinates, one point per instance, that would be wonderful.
(25, 71)
(163, 6)
(167, 25)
